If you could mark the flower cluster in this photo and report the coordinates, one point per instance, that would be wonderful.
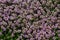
(29, 20)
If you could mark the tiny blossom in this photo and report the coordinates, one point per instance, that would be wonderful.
(28, 1)
(26, 36)
(3, 1)
(11, 18)
(39, 38)
(29, 17)
(31, 38)
(6, 18)
(3, 28)
(58, 5)
(9, 1)
(36, 15)
(4, 23)
(0, 19)
(28, 31)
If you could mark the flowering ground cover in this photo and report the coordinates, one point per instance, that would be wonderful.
(29, 19)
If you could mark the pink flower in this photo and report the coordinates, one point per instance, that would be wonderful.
(31, 38)
(6, 18)
(39, 38)
(36, 15)
(3, 1)
(0, 19)
(29, 17)
(16, 1)
(4, 29)
(26, 36)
